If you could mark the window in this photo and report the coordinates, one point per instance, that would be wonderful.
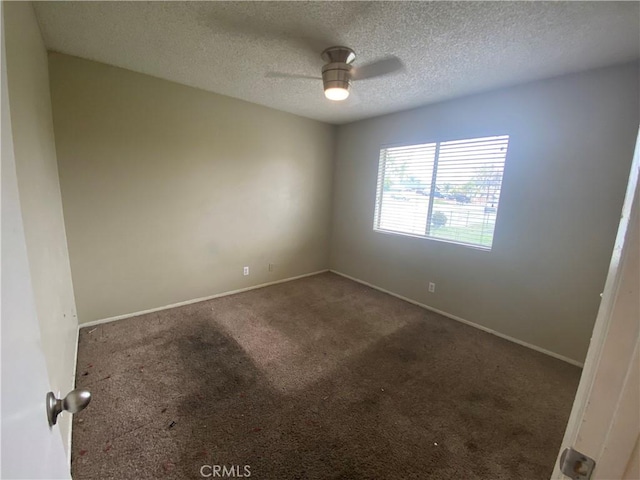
(446, 191)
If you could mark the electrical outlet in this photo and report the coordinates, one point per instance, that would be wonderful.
(432, 287)
(245, 271)
(272, 267)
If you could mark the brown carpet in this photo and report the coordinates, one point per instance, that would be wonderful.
(319, 378)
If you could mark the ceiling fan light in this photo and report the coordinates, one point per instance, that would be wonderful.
(336, 93)
(336, 78)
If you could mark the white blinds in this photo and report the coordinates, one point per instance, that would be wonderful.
(404, 173)
(447, 190)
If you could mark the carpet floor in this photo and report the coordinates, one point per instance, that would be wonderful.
(317, 378)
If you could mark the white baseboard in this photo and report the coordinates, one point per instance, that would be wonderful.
(196, 300)
(466, 322)
(406, 299)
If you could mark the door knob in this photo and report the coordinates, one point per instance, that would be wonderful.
(75, 401)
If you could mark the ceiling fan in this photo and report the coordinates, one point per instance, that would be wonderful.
(338, 72)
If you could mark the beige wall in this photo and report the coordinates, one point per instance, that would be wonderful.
(570, 151)
(169, 191)
(39, 190)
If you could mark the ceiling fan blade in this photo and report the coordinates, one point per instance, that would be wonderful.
(291, 75)
(378, 68)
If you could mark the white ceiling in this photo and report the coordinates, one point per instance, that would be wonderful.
(449, 48)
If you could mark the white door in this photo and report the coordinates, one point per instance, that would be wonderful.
(605, 421)
(29, 448)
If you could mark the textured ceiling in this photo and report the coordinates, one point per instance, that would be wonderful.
(448, 48)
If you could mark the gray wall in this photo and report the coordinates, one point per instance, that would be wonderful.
(37, 172)
(169, 191)
(570, 150)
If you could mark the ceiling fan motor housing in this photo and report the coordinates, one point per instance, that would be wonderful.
(336, 75)
(337, 72)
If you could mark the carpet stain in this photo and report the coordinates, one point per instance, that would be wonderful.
(318, 378)
(471, 446)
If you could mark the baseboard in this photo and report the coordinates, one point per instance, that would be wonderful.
(196, 300)
(388, 292)
(466, 322)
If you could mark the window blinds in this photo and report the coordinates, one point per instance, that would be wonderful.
(445, 190)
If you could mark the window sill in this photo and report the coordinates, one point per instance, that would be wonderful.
(435, 239)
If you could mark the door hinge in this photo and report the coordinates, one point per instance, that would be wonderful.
(576, 465)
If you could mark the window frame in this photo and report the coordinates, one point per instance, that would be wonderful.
(380, 188)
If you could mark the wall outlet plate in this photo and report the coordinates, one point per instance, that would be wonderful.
(432, 287)
(245, 271)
